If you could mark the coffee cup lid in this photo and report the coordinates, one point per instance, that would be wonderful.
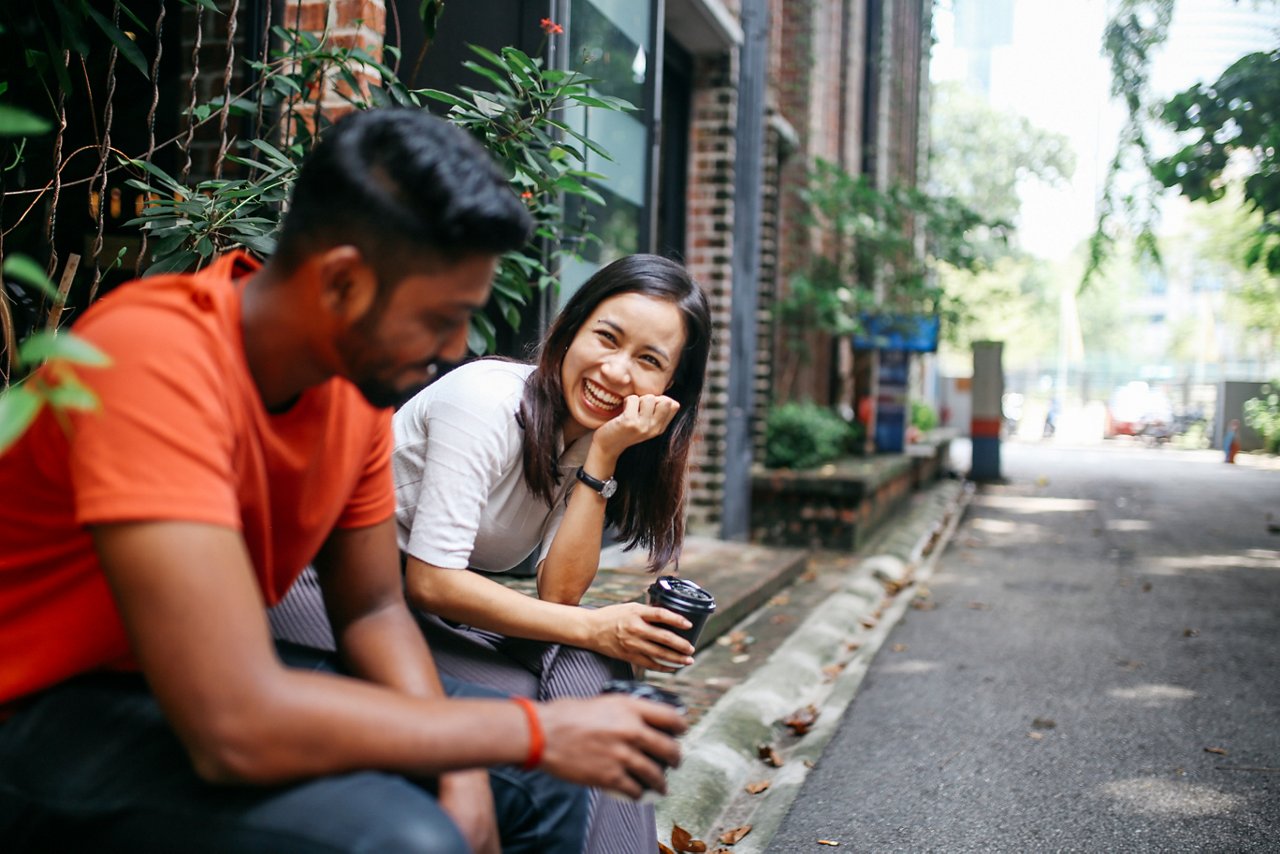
(685, 591)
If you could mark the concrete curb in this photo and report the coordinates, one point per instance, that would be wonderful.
(706, 794)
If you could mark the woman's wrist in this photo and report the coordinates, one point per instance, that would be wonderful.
(600, 463)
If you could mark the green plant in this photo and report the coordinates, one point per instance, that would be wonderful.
(57, 387)
(804, 435)
(1263, 414)
(516, 120)
(923, 416)
(870, 261)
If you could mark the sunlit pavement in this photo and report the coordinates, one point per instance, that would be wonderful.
(1094, 669)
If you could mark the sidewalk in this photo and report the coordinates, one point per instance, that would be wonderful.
(766, 695)
(794, 632)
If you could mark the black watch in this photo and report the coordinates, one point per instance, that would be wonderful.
(606, 488)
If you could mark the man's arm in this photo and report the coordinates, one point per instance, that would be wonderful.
(379, 641)
(196, 623)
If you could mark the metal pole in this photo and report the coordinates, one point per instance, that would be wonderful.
(735, 520)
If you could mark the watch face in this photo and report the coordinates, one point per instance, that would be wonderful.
(609, 488)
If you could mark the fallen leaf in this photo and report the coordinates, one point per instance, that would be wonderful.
(890, 586)
(757, 787)
(852, 645)
(735, 835)
(781, 599)
(809, 575)
(1035, 736)
(830, 842)
(770, 755)
(810, 764)
(662, 849)
(923, 604)
(683, 841)
(831, 671)
(1044, 723)
(898, 647)
(1217, 750)
(869, 622)
(802, 720)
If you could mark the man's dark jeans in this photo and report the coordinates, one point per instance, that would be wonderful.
(92, 766)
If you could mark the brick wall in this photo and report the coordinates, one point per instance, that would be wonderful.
(710, 260)
(347, 23)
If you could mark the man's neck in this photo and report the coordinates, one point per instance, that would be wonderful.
(276, 344)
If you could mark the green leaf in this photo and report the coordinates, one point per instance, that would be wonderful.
(18, 122)
(123, 43)
(72, 394)
(28, 272)
(67, 347)
(19, 406)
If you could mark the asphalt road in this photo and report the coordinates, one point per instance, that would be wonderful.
(1096, 668)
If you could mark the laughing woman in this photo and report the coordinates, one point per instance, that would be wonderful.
(499, 458)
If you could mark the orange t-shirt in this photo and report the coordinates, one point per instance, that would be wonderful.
(181, 435)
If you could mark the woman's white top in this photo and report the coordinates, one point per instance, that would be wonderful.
(461, 499)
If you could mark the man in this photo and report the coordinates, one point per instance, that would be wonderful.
(239, 439)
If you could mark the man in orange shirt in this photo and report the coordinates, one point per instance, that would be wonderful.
(243, 434)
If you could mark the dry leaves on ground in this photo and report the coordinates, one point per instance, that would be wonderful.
(802, 720)
(663, 849)
(898, 647)
(781, 599)
(735, 835)
(683, 841)
(1217, 750)
(868, 622)
(757, 787)
(770, 755)
(923, 603)
(830, 842)
(831, 671)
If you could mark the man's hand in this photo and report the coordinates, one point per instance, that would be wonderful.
(633, 633)
(617, 743)
(467, 798)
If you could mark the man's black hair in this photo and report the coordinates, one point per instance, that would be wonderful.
(404, 187)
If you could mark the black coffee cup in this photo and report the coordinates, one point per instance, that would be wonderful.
(645, 691)
(685, 598)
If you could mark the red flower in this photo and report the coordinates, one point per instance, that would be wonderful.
(551, 28)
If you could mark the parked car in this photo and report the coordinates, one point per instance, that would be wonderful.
(1136, 409)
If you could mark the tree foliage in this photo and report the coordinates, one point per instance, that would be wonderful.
(1234, 122)
(980, 154)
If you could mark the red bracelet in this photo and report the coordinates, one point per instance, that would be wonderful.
(537, 741)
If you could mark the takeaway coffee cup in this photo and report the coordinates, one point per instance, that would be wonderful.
(645, 691)
(685, 598)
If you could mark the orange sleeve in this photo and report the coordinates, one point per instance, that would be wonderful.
(161, 445)
(373, 500)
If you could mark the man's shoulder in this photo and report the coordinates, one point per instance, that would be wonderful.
(169, 305)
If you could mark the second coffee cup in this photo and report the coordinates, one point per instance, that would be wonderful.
(687, 599)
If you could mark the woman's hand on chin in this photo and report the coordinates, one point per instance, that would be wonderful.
(634, 633)
(642, 418)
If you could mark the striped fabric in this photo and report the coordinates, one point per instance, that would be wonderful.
(534, 669)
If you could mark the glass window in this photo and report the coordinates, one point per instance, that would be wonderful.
(611, 41)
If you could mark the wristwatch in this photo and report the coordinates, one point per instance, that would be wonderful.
(606, 488)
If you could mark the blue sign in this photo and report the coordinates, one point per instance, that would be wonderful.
(914, 333)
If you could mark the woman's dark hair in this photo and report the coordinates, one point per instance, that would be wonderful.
(404, 187)
(648, 508)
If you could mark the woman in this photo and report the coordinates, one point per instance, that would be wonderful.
(499, 458)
